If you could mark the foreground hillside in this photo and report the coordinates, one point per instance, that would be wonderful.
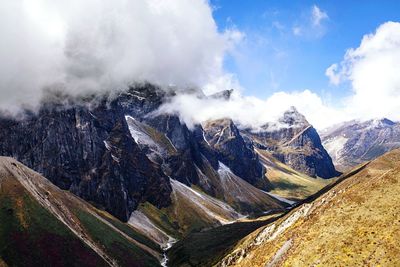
(41, 225)
(355, 223)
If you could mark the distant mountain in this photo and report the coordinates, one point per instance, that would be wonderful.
(294, 142)
(42, 225)
(354, 222)
(354, 142)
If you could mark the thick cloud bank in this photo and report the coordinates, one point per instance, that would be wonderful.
(101, 45)
(373, 69)
(96, 45)
(252, 111)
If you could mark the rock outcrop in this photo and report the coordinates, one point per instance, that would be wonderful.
(224, 137)
(294, 141)
(116, 151)
(89, 151)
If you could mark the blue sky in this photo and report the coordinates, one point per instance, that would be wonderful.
(272, 57)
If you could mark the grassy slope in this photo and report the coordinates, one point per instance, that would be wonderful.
(32, 236)
(287, 182)
(20, 209)
(161, 219)
(356, 223)
(125, 252)
(128, 230)
(208, 247)
(190, 211)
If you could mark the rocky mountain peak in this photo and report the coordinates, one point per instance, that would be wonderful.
(225, 94)
(224, 137)
(354, 142)
(292, 117)
(294, 141)
(379, 123)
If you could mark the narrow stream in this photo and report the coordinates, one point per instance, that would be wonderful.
(164, 261)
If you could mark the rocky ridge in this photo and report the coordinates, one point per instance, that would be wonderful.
(355, 142)
(295, 142)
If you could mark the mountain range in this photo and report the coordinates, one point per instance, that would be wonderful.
(355, 142)
(113, 162)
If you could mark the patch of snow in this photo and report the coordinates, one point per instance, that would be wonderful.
(220, 135)
(136, 95)
(335, 145)
(205, 139)
(107, 145)
(212, 207)
(115, 158)
(240, 189)
(143, 224)
(137, 133)
(223, 168)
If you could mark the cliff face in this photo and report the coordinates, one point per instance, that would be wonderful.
(115, 152)
(224, 137)
(89, 151)
(294, 141)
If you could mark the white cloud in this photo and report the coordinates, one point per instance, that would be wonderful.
(96, 45)
(331, 72)
(373, 71)
(251, 111)
(317, 16)
(311, 25)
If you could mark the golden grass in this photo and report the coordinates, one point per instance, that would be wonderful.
(357, 223)
(287, 182)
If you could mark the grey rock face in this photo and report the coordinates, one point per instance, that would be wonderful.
(354, 142)
(296, 143)
(89, 151)
(86, 146)
(224, 137)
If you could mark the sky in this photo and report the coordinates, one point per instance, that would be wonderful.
(333, 60)
(286, 49)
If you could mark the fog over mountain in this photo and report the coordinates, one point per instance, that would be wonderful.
(96, 46)
(80, 46)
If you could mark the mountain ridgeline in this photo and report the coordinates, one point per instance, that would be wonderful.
(120, 155)
(294, 141)
(355, 142)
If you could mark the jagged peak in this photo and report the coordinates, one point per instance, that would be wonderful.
(225, 94)
(382, 122)
(291, 118)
